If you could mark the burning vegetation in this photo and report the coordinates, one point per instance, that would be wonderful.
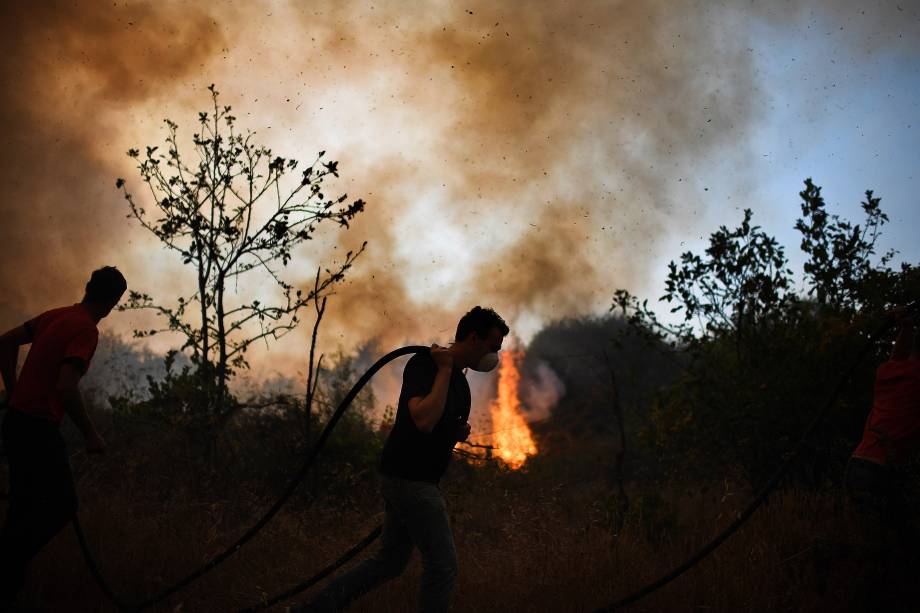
(510, 438)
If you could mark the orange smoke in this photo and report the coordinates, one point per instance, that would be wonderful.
(510, 435)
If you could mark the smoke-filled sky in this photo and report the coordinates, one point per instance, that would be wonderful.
(528, 156)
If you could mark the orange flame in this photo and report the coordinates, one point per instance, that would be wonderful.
(510, 433)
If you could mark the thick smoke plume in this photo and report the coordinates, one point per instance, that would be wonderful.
(529, 157)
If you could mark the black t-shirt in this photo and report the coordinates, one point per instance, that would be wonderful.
(410, 453)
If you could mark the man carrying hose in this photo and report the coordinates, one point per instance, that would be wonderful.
(874, 478)
(432, 416)
(42, 495)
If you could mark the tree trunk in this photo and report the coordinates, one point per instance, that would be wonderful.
(222, 348)
(203, 370)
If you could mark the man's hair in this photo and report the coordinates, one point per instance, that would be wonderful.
(106, 285)
(480, 321)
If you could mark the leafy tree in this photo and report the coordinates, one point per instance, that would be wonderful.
(741, 282)
(761, 359)
(839, 253)
(235, 209)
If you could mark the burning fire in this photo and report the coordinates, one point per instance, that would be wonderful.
(510, 433)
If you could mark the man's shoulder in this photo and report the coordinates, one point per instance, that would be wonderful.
(42, 320)
(421, 360)
(73, 319)
(79, 318)
(419, 371)
(898, 367)
(55, 312)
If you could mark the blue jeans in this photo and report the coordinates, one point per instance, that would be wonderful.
(416, 516)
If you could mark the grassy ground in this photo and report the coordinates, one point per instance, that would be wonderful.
(525, 543)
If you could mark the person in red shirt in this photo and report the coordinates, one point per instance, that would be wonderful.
(875, 478)
(42, 495)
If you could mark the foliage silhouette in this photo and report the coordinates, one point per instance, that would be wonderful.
(759, 357)
(237, 209)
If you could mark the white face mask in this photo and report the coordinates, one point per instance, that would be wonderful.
(487, 362)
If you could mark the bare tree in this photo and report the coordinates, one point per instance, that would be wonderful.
(234, 210)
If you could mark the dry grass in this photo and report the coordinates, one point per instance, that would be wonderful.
(523, 545)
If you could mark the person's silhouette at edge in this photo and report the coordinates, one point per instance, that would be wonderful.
(42, 495)
(431, 417)
(876, 475)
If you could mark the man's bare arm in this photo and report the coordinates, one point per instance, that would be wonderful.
(427, 410)
(9, 355)
(69, 393)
